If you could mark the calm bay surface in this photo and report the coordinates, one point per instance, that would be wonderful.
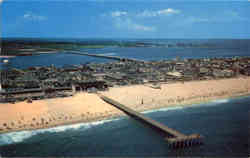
(219, 49)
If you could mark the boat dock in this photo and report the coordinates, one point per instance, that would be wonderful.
(174, 138)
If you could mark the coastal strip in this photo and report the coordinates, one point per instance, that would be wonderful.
(86, 107)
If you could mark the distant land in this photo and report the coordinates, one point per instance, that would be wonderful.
(21, 46)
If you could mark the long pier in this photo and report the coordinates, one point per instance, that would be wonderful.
(85, 54)
(105, 56)
(174, 138)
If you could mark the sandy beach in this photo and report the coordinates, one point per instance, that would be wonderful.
(2, 56)
(86, 107)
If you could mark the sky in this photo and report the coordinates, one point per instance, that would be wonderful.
(125, 18)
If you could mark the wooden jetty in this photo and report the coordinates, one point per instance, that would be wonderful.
(174, 138)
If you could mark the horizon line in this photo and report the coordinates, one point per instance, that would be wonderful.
(222, 38)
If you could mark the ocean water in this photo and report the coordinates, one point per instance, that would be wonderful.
(223, 123)
(216, 48)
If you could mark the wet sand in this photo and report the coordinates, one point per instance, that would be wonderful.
(85, 107)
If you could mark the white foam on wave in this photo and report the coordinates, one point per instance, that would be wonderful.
(108, 54)
(164, 109)
(211, 103)
(221, 101)
(16, 137)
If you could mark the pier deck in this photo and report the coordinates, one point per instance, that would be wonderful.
(174, 138)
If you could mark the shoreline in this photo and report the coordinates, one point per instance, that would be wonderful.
(67, 111)
(12, 56)
(118, 117)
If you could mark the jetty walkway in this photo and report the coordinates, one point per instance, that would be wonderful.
(174, 138)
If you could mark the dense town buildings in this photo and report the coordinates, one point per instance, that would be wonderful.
(51, 81)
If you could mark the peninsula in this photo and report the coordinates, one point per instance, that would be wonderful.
(43, 97)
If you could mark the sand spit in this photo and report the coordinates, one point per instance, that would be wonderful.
(85, 107)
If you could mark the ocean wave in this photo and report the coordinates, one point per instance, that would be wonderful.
(211, 103)
(16, 137)
(108, 54)
(220, 101)
(164, 109)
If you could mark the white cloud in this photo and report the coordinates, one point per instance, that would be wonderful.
(197, 20)
(124, 20)
(118, 13)
(224, 17)
(146, 13)
(1, 1)
(31, 16)
(130, 25)
(234, 16)
(139, 27)
(164, 12)
(142, 27)
(168, 11)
